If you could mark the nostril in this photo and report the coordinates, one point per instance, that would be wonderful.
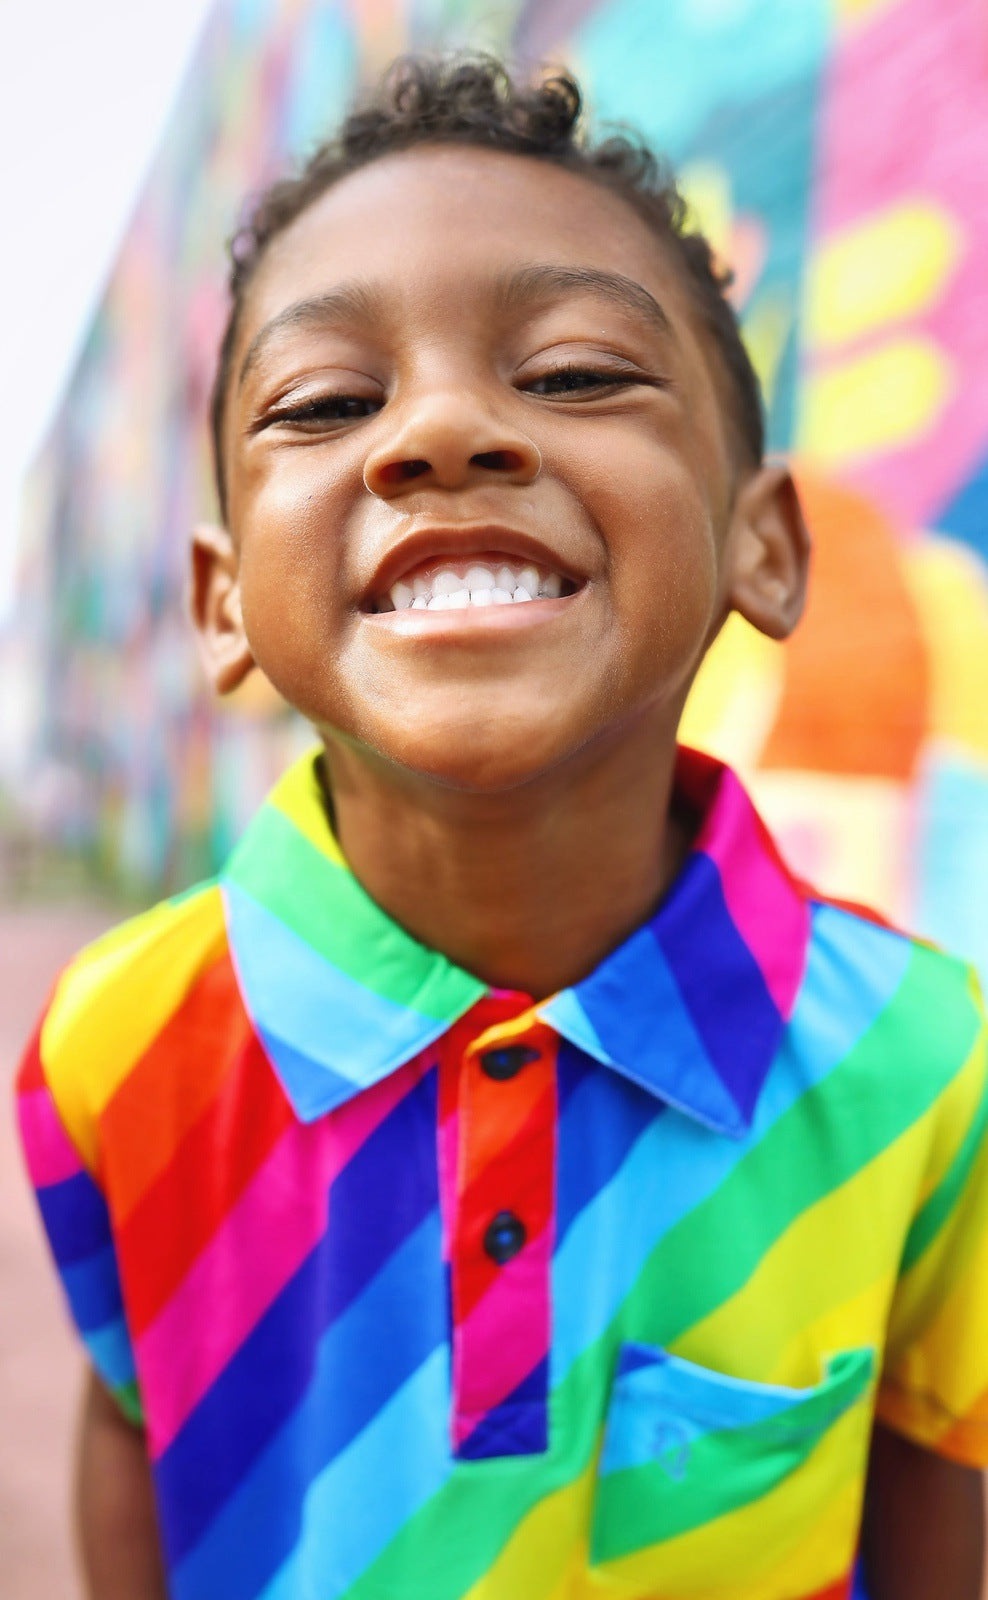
(498, 460)
(402, 471)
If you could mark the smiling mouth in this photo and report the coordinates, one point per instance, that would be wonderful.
(457, 585)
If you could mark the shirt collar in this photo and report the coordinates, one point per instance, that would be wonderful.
(691, 1007)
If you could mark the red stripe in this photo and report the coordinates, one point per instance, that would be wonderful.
(30, 1074)
(165, 1232)
(841, 1590)
(520, 1180)
(505, 1161)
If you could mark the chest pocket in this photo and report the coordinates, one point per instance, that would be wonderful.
(685, 1445)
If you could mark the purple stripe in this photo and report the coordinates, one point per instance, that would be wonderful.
(517, 1426)
(369, 1218)
(720, 981)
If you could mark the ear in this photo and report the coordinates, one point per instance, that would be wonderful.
(769, 549)
(214, 601)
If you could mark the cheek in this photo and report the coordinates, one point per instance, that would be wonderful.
(291, 545)
(290, 594)
(662, 543)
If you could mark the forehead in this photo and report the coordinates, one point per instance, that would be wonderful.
(441, 223)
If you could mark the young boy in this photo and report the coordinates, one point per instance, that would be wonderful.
(506, 1181)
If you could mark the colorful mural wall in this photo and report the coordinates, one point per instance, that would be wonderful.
(838, 153)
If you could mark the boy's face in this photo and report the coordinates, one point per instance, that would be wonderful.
(455, 360)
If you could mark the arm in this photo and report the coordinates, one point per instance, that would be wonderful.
(114, 1502)
(924, 1526)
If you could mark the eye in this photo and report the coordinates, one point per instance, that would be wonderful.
(574, 381)
(326, 411)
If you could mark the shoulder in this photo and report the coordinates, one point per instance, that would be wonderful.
(116, 996)
(901, 999)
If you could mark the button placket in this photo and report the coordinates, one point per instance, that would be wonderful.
(500, 1240)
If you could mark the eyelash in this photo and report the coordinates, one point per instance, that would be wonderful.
(322, 407)
(601, 378)
(319, 409)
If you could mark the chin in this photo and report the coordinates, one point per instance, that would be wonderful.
(494, 757)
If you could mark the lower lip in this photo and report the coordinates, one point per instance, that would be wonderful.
(473, 620)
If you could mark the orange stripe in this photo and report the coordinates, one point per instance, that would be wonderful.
(210, 1170)
(966, 1440)
(170, 1086)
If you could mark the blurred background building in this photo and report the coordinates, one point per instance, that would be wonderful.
(837, 151)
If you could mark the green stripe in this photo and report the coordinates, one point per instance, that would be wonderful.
(941, 1203)
(869, 1099)
(325, 905)
(721, 1470)
(128, 1398)
(895, 1073)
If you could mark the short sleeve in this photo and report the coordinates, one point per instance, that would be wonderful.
(77, 1223)
(934, 1386)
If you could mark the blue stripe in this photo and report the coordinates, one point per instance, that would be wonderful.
(369, 1217)
(565, 1013)
(720, 981)
(75, 1218)
(853, 972)
(345, 1535)
(93, 1288)
(328, 1035)
(654, 1041)
(573, 1068)
(661, 1406)
(601, 1118)
(112, 1355)
(400, 1319)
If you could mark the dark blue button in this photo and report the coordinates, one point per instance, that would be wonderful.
(506, 1061)
(504, 1237)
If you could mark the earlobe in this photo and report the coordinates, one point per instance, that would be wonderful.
(770, 552)
(214, 602)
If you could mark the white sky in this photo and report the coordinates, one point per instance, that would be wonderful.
(85, 90)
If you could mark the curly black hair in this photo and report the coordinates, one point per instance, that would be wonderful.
(474, 100)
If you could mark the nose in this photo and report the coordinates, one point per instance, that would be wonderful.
(449, 440)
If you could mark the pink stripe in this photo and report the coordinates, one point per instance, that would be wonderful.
(765, 905)
(505, 1336)
(217, 1297)
(51, 1158)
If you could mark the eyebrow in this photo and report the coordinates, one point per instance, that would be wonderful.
(543, 281)
(348, 302)
(361, 302)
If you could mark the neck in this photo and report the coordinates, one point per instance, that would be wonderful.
(528, 890)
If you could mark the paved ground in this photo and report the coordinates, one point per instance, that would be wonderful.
(40, 1366)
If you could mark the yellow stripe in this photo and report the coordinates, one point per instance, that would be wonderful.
(115, 998)
(792, 1541)
(298, 797)
(934, 1351)
(945, 1366)
(825, 1257)
(547, 1552)
(845, 1325)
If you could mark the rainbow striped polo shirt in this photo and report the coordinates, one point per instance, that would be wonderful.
(425, 1291)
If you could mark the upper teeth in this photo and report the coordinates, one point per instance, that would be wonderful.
(447, 589)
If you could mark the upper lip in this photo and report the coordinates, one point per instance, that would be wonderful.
(461, 541)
